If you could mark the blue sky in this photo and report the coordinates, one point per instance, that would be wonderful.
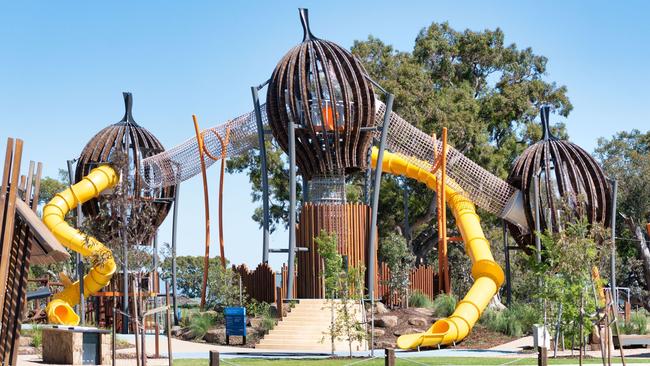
(64, 64)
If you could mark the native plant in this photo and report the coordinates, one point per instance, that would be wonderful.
(343, 285)
(395, 253)
(564, 274)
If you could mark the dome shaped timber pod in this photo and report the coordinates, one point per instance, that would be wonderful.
(137, 143)
(569, 178)
(322, 88)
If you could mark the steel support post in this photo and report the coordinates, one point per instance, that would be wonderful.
(372, 250)
(174, 234)
(292, 208)
(506, 252)
(264, 172)
(612, 280)
(79, 260)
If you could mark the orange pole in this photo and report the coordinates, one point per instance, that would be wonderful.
(224, 145)
(206, 202)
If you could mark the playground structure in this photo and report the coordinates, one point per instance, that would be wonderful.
(322, 110)
(25, 240)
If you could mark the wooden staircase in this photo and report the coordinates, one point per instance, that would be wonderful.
(306, 328)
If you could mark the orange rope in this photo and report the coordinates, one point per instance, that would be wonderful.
(206, 260)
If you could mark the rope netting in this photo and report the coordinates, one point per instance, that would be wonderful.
(484, 188)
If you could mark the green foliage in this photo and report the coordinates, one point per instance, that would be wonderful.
(626, 157)
(444, 305)
(346, 326)
(201, 323)
(266, 324)
(328, 250)
(565, 272)
(223, 285)
(258, 308)
(486, 92)
(515, 321)
(419, 300)
(396, 254)
(36, 333)
(638, 323)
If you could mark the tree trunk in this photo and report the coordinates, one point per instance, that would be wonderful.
(644, 252)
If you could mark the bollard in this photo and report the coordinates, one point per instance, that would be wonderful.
(542, 357)
(389, 357)
(214, 358)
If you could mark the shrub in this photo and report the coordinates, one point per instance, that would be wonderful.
(638, 324)
(515, 321)
(444, 305)
(200, 324)
(419, 300)
(266, 324)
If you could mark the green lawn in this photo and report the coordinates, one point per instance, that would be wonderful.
(401, 362)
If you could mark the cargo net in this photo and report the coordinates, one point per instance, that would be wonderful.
(183, 161)
(484, 188)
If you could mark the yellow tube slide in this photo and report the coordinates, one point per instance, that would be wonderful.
(59, 310)
(487, 274)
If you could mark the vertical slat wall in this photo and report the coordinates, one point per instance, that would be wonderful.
(15, 244)
(352, 228)
(422, 279)
(260, 283)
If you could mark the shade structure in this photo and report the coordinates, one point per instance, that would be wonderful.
(138, 143)
(323, 89)
(570, 182)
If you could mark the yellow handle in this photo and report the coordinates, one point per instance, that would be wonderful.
(487, 274)
(59, 310)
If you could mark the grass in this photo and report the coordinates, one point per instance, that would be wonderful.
(200, 324)
(419, 300)
(401, 361)
(638, 323)
(444, 305)
(514, 321)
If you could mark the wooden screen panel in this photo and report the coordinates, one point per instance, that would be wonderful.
(353, 242)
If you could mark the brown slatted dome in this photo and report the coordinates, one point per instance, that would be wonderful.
(567, 172)
(143, 144)
(322, 88)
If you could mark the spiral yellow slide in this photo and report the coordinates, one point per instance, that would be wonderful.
(59, 310)
(487, 274)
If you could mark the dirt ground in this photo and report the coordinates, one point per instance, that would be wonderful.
(408, 322)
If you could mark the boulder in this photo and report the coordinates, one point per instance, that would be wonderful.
(385, 344)
(214, 336)
(176, 330)
(255, 322)
(386, 321)
(379, 332)
(406, 331)
(381, 308)
(418, 322)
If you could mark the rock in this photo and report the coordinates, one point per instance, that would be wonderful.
(176, 330)
(379, 332)
(186, 334)
(385, 344)
(406, 331)
(255, 322)
(418, 322)
(214, 335)
(386, 321)
(381, 308)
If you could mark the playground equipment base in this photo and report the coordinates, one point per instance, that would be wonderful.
(76, 346)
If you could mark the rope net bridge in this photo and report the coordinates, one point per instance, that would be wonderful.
(484, 188)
